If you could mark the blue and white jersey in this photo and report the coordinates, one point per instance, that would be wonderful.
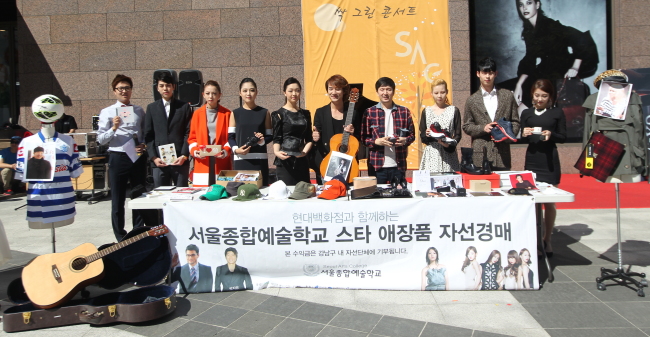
(51, 201)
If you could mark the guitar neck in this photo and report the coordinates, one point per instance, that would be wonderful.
(348, 121)
(115, 247)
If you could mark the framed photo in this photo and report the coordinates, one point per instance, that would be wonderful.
(523, 180)
(167, 153)
(613, 99)
(40, 162)
(339, 164)
(566, 42)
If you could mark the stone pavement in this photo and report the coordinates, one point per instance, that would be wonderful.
(584, 242)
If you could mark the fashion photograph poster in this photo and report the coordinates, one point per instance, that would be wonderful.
(563, 41)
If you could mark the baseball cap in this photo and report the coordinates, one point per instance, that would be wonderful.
(333, 189)
(215, 192)
(278, 191)
(16, 140)
(232, 186)
(342, 179)
(247, 192)
(303, 190)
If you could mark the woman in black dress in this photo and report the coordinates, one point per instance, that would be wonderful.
(553, 50)
(292, 136)
(541, 155)
(250, 120)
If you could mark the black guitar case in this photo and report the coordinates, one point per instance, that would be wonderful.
(144, 263)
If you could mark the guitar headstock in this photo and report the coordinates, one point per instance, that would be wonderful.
(354, 95)
(158, 231)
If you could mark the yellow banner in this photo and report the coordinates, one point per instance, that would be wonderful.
(406, 40)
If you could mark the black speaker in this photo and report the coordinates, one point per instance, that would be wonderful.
(190, 87)
(156, 94)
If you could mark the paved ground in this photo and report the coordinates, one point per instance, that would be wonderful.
(570, 306)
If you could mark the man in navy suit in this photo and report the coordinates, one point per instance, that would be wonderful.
(167, 121)
(196, 277)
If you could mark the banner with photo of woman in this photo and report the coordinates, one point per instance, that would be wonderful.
(393, 244)
(563, 41)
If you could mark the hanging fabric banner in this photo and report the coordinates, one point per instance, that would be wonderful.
(407, 41)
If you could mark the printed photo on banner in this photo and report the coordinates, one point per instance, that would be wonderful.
(613, 99)
(565, 42)
(523, 180)
(41, 162)
(167, 153)
(127, 114)
(339, 164)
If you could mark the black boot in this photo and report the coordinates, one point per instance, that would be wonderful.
(487, 168)
(467, 163)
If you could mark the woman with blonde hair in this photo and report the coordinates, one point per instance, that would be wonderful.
(440, 131)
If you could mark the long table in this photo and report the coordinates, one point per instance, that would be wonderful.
(366, 244)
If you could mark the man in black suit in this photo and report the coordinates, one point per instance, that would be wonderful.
(196, 277)
(167, 121)
(230, 276)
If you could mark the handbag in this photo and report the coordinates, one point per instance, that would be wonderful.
(571, 91)
(606, 155)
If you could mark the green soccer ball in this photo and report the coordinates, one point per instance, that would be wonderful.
(47, 108)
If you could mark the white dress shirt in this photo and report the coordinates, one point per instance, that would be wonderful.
(124, 133)
(490, 100)
(167, 106)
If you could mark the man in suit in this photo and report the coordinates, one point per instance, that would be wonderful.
(196, 277)
(167, 121)
(230, 276)
(482, 110)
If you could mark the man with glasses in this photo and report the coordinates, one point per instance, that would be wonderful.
(196, 277)
(121, 138)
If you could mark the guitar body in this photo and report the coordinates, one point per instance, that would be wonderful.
(352, 148)
(50, 279)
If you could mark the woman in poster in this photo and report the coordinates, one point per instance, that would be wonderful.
(547, 50)
(541, 155)
(209, 126)
(471, 269)
(526, 272)
(513, 276)
(439, 155)
(292, 136)
(492, 275)
(250, 120)
(434, 274)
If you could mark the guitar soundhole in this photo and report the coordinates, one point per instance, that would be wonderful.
(343, 148)
(79, 263)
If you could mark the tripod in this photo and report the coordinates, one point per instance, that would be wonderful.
(620, 276)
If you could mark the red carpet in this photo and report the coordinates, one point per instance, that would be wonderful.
(592, 194)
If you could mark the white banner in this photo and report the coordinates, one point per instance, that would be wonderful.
(360, 244)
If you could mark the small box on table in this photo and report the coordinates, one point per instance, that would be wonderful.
(244, 176)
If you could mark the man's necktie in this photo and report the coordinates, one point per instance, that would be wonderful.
(193, 277)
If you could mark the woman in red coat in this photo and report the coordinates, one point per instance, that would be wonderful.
(209, 126)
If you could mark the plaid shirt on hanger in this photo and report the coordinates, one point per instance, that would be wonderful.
(373, 126)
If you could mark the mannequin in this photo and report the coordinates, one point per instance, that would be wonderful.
(50, 203)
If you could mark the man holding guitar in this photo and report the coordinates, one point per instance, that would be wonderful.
(387, 130)
(335, 118)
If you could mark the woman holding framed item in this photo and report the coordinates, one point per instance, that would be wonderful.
(471, 269)
(209, 126)
(440, 130)
(492, 272)
(553, 50)
(542, 127)
(248, 123)
(292, 136)
(434, 274)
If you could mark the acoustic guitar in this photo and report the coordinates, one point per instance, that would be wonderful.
(344, 142)
(52, 279)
